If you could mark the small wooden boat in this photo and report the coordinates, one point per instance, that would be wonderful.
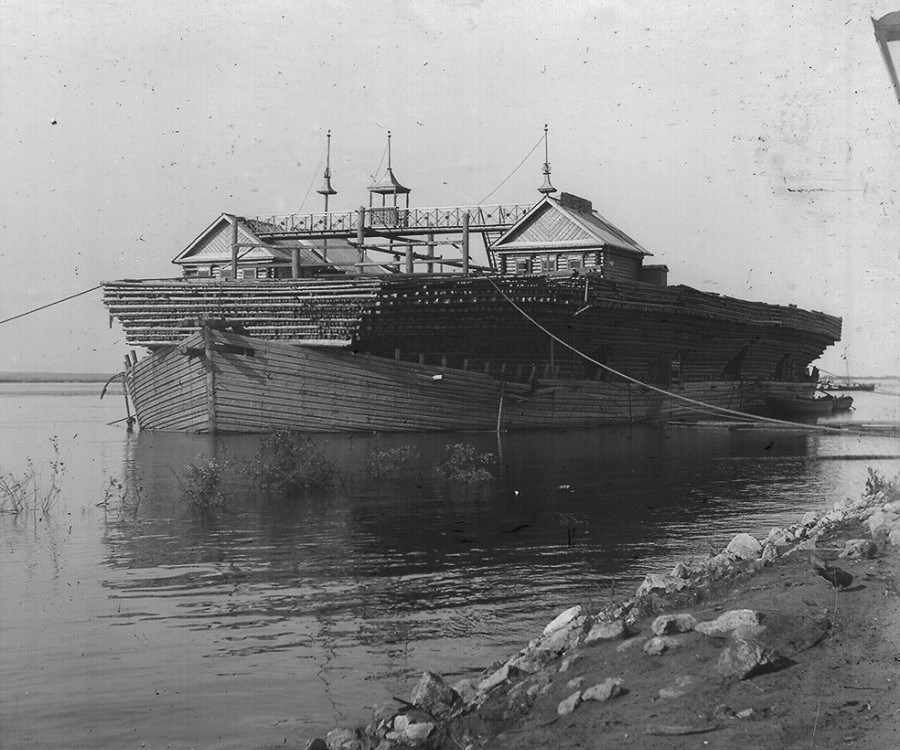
(842, 403)
(800, 406)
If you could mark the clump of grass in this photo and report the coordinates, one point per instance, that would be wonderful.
(388, 464)
(465, 464)
(31, 490)
(877, 483)
(202, 483)
(288, 462)
(126, 494)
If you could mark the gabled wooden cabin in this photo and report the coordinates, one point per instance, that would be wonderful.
(266, 255)
(567, 236)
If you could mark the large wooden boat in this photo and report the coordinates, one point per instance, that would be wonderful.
(294, 321)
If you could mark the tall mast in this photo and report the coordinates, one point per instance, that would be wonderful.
(327, 191)
(547, 188)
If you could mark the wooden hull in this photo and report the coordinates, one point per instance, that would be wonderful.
(215, 381)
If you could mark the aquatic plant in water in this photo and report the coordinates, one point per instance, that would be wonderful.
(288, 462)
(32, 491)
(388, 464)
(465, 464)
(202, 483)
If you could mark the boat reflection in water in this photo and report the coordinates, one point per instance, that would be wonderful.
(317, 605)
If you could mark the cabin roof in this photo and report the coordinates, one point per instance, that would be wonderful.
(567, 222)
(213, 245)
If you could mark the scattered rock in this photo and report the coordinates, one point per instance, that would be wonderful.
(605, 631)
(317, 744)
(628, 644)
(746, 657)
(433, 695)
(603, 691)
(660, 644)
(575, 682)
(342, 739)
(671, 624)
(809, 518)
(568, 705)
(466, 689)
(417, 733)
(865, 548)
(747, 713)
(506, 672)
(719, 565)
(656, 582)
(769, 553)
(382, 718)
(779, 537)
(743, 547)
(727, 622)
(678, 688)
(563, 619)
(680, 571)
(568, 662)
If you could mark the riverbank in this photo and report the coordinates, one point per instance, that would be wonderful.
(748, 648)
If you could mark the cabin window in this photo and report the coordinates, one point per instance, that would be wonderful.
(576, 261)
(548, 263)
(190, 270)
(204, 272)
(248, 273)
(523, 266)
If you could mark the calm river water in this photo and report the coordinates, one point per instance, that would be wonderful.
(127, 620)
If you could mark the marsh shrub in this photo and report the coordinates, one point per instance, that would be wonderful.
(465, 464)
(876, 482)
(202, 483)
(288, 462)
(32, 490)
(389, 463)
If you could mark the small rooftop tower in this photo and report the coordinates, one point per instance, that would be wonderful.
(326, 188)
(547, 188)
(388, 184)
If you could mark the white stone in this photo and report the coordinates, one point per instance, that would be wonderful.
(809, 518)
(662, 583)
(605, 631)
(568, 705)
(727, 622)
(628, 645)
(603, 691)
(563, 619)
(671, 624)
(743, 547)
(575, 682)
(660, 644)
(417, 733)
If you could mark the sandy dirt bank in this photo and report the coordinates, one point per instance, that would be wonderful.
(766, 653)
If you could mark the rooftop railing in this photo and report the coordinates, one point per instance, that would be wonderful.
(411, 220)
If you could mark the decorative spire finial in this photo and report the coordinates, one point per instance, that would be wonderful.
(547, 188)
(326, 188)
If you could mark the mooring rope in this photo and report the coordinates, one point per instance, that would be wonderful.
(50, 304)
(515, 169)
(668, 394)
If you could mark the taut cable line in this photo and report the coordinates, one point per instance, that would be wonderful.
(50, 304)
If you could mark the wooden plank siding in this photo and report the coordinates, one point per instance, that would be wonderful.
(276, 385)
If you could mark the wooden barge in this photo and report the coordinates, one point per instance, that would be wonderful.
(292, 322)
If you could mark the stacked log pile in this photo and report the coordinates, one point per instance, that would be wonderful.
(466, 322)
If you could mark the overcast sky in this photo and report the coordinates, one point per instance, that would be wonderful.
(752, 147)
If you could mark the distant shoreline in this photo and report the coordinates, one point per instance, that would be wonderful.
(53, 377)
